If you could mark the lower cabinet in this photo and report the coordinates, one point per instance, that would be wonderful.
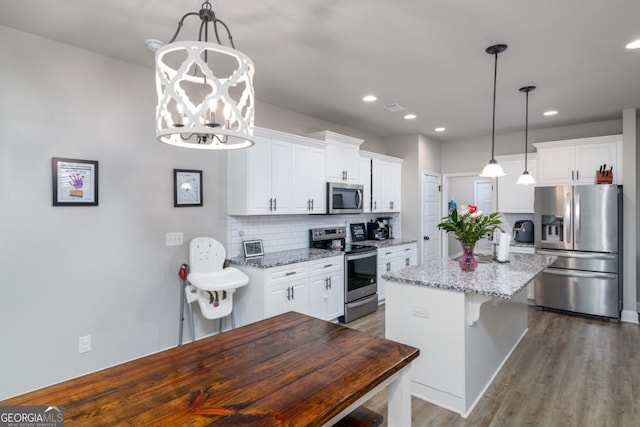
(315, 288)
(326, 291)
(394, 258)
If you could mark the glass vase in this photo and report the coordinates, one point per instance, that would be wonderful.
(467, 261)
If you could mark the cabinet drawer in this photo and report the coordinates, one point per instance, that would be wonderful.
(327, 265)
(293, 272)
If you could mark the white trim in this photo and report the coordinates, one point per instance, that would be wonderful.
(629, 316)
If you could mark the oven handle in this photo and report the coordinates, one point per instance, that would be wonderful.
(362, 301)
(351, 257)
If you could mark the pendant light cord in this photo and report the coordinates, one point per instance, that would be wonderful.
(526, 133)
(493, 127)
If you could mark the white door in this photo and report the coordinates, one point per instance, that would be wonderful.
(485, 202)
(430, 217)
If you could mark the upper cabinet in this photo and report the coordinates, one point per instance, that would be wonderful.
(343, 156)
(386, 182)
(576, 161)
(280, 174)
(512, 197)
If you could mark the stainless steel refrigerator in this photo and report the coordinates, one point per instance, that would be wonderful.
(582, 226)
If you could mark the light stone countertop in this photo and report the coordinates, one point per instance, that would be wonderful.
(276, 259)
(381, 244)
(495, 279)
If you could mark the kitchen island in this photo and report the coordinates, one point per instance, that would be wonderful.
(466, 324)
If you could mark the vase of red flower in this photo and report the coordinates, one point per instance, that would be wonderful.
(469, 225)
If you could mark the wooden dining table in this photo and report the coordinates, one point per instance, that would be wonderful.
(290, 370)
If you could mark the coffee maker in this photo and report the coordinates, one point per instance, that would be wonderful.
(380, 229)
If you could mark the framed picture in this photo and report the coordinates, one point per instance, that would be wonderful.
(187, 188)
(75, 182)
(252, 248)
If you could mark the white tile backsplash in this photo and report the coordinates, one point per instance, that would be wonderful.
(286, 232)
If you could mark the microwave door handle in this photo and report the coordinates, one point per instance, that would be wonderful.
(358, 198)
(567, 217)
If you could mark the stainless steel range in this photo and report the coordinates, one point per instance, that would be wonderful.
(360, 271)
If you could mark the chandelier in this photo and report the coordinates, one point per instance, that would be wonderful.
(205, 90)
(493, 169)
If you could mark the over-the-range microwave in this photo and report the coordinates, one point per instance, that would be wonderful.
(344, 198)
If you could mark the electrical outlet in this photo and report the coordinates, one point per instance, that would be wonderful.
(420, 311)
(84, 344)
(174, 239)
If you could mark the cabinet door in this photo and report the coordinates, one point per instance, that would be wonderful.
(258, 172)
(351, 158)
(343, 163)
(316, 171)
(335, 296)
(293, 296)
(512, 197)
(395, 187)
(300, 197)
(556, 165)
(365, 180)
(590, 157)
(281, 166)
(299, 296)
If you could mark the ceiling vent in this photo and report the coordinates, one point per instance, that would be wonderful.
(394, 107)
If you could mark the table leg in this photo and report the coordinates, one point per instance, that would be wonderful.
(399, 397)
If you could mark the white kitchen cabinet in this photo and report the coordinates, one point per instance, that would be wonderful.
(386, 182)
(287, 289)
(280, 174)
(576, 161)
(394, 258)
(308, 179)
(343, 156)
(326, 288)
(365, 180)
(512, 197)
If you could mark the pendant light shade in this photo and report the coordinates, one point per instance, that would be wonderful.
(205, 90)
(493, 169)
(526, 178)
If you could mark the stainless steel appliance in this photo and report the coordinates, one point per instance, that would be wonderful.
(523, 231)
(360, 271)
(344, 198)
(582, 226)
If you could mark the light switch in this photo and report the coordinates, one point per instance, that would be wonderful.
(174, 239)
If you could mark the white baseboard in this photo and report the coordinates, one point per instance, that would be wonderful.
(629, 316)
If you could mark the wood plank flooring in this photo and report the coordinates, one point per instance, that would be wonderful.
(567, 371)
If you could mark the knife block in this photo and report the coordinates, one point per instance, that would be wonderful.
(604, 179)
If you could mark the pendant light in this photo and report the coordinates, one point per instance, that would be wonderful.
(526, 178)
(493, 169)
(205, 90)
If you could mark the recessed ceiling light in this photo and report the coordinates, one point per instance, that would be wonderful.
(634, 44)
(410, 116)
(369, 98)
(550, 113)
(441, 129)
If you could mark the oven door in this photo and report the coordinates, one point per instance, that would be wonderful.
(360, 275)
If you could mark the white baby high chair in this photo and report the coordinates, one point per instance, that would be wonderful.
(211, 284)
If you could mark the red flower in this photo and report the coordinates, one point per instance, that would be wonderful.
(472, 209)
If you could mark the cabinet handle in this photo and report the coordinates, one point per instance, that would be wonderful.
(292, 296)
(275, 204)
(578, 175)
(391, 205)
(288, 294)
(387, 253)
(329, 282)
(271, 204)
(312, 204)
(290, 273)
(309, 204)
(406, 262)
(375, 205)
(408, 249)
(572, 176)
(328, 265)
(326, 283)
(388, 267)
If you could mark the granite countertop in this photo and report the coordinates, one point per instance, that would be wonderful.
(495, 279)
(276, 259)
(521, 245)
(380, 244)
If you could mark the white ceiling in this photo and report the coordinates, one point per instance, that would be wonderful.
(319, 57)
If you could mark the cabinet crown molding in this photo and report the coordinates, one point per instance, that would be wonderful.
(372, 155)
(287, 137)
(579, 141)
(328, 136)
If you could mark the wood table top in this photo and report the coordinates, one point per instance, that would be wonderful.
(290, 369)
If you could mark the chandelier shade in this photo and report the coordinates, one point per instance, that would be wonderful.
(205, 92)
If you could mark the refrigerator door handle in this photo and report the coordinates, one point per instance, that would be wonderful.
(581, 255)
(576, 218)
(567, 217)
(577, 273)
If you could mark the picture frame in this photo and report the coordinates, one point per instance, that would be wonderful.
(187, 188)
(74, 182)
(252, 248)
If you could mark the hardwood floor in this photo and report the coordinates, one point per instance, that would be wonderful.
(567, 371)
